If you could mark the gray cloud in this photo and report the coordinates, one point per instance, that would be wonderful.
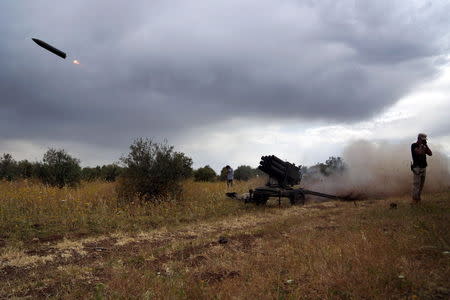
(158, 68)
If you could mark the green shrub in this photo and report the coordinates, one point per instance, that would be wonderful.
(223, 174)
(26, 169)
(105, 172)
(205, 174)
(110, 172)
(8, 167)
(59, 169)
(243, 173)
(246, 173)
(91, 174)
(333, 165)
(152, 171)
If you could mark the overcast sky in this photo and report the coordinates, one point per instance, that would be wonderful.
(224, 81)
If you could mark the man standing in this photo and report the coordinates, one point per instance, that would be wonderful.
(419, 152)
(230, 176)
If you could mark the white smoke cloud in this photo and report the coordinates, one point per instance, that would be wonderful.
(381, 169)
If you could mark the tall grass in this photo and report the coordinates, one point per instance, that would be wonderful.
(325, 251)
(345, 253)
(31, 210)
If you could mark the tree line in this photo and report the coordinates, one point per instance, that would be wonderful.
(57, 168)
(333, 165)
(150, 171)
(243, 173)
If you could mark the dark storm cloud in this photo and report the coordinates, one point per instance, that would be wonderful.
(156, 68)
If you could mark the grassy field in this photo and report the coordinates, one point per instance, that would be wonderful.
(34, 211)
(83, 243)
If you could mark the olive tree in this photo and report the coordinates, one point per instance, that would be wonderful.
(60, 169)
(152, 171)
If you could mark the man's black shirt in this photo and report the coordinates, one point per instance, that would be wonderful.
(419, 160)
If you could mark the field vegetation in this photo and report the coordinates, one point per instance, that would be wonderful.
(31, 210)
(154, 228)
(84, 242)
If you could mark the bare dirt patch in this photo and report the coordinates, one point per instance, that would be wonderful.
(280, 252)
(213, 277)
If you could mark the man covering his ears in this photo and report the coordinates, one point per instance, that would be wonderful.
(419, 152)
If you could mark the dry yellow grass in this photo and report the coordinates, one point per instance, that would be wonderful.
(30, 210)
(342, 252)
(331, 250)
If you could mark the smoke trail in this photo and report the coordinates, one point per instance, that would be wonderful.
(380, 170)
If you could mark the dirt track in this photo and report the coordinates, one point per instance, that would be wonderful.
(41, 258)
(273, 251)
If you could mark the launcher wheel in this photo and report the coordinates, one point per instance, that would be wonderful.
(297, 199)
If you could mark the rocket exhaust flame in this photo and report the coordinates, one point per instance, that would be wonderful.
(76, 62)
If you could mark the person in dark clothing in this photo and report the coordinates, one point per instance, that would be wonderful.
(230, 176)
(419, 152)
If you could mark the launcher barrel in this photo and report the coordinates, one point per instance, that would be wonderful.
(284, 172)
